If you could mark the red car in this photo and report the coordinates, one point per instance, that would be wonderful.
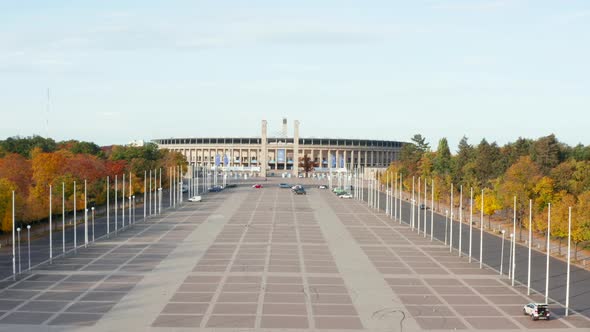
(257, 186)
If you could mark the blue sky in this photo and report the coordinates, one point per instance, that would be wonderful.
(123, 70)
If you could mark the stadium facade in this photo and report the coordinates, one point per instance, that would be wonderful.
(281, 153)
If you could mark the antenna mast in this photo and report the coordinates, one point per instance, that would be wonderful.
(47, 118)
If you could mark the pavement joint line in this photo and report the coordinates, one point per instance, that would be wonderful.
(475, 260)
(306, 287)
(341, 234)
(207, 315)
(112, 272)
(132, 297)
(15, 309)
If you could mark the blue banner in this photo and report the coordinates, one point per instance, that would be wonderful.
(225, 160)
(217, 160)
(342, 163)
(281, 155)
(333, 161)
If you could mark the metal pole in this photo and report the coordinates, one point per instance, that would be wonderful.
(123, 204)
(567, 282)
(502, 253)
(13, 242)
(108, 206)
(130, 194)
(514, 243)
(425, 202)
(170, 184)
(548, 252)
(29, 244)
(460, 220)
(401, 191)
(75, 224)
(481, 234)
(528, 283)
(510, 258)
(116, 205)
(50, 226)
(150, 195)
(432, 213)
(413, 203)
(63, 216)
(446, 225)
(85, 214)
(19, 261)
(160, 192)
(92, 223)
(418, 207)
(451, 232)
(144, 193)
(155, 195)
(470, 224)
(395, 190)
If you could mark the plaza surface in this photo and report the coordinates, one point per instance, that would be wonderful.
(265, 259)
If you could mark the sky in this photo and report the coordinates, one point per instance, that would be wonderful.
(120, 70)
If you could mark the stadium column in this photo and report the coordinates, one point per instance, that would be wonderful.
(358, 160)
(345, 158)
(296, 147)
(263, 141)
(321, 158)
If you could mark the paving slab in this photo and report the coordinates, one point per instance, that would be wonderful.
(267, 260)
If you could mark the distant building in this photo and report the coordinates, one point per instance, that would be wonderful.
(262, 154)
(138, 143)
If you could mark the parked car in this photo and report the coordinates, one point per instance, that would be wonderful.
(300, 191)
(323, 186)
(537, 310)
(195, 199)
(284, 185)
(231, 185)
(257, 186)
(215, 189)
(297, 186)
(346, 195)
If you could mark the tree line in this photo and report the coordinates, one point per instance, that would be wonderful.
(552, 174)
(29, 165)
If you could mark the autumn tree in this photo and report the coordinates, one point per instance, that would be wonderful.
(520, 181)
(306, 164)
(6, 188)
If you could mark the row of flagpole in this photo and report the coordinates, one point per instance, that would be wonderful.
(152, 206)
(394, 198)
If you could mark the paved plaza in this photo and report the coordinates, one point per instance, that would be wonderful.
(266, 260)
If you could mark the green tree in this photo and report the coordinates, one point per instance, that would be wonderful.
(465, 155)
(442, 161)
(546, 153)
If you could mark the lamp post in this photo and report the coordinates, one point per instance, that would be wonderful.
(502, 253)
(446, 224)
(92, 223)
(510, 258)
(133, 209)
(18, 239)
(29, 244)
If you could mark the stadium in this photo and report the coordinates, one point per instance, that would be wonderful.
(281, 153)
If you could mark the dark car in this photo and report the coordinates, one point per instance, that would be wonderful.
(284, 185)
(215, 189)
(300, 191)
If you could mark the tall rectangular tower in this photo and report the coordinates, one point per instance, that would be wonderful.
(263, 160)
(296, 148)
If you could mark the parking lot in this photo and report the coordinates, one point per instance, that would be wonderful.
(249, 259)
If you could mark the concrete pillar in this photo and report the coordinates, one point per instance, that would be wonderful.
(262, 161)
(358, 161)
(346, 165)
(296, 147)
(321, 157)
